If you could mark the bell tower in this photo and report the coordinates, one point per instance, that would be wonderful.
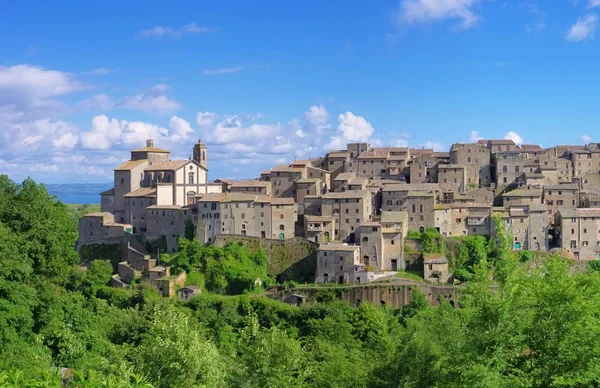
(200, 154)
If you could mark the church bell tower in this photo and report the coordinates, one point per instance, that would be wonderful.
(200, 154)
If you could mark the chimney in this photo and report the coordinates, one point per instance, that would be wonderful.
(149, 143)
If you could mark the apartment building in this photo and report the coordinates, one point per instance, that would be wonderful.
(251, 186)
(284, 178)
(349, 209)
(461, 219)
(452, 177)
(522, 196)
(319, 229)
(308, 186)
(335, 163)
(423, 169)
(558, 197)
(528, 225)
(579, 232)
(339, 263)
(476, 159)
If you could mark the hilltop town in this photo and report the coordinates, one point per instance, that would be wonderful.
(357, 204)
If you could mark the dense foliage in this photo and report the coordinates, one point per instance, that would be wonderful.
(535, 328)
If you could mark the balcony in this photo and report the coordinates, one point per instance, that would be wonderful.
(314, 227)
(475, 221)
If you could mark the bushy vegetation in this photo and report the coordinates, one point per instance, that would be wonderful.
(536, 328)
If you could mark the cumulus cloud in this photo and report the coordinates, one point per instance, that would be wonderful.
(351, 128)
(585, 139)
(206, 119)
(593, 3)
(437, 147)
(153, 100)
(474, 137)
(317, 117)
(224, 70)
(161, 32)
(65, 141)
(514, 137)
(584, 28)
(423, 11)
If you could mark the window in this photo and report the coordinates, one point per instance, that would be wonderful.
(584, 230)
(365, 239)
(504, 169)
(584, 243)
(191, 178)
(347, 211)
(243, 226)
(392, 242)
(281, 227)
(347, 221)
(262, 214)
(281, 216)
(243, 216)
(516, 168)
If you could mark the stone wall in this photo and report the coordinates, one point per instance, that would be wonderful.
(395, 296)
(109, 249)
(291, 259)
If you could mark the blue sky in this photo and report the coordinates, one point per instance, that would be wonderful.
(81, 83)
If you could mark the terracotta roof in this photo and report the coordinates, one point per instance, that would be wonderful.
(151, 149)
(347, 194)
(344, 176)
(564, 186)
(524, 192)
(358, 181)
(211, 197)
(283, 201)
(450, 166)
(501, 142)
(338, 154)
(108, 192)
(393, 216)
(251, 183)
(130, 164)
(373, 155)
(168, 207)
(318, 218)
(286, 168)
(575, 213)
(309, 180)
(142, 192)
(530, 147)
(435, 260)
(338, 247)
(411, 186)
(170, 165)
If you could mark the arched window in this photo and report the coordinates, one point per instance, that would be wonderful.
(203, 155)
(191, 197)
(191, 178)
(326, 237)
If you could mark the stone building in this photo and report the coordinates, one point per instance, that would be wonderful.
(307, 186)
(528, 225)
(382, 243)
(423, 169)
(95, 228)
(167, 182)
(435, 269)
(558, 197)
(501, 146)
(461, 219)
(476, 159)
(284, 178)
(251, 186)
(522, 196)
(509, 167)
(578, 232)
(335, 163)
(339, 263)
(349, 209)
(452, 177)
(169, 221)
(319, 229)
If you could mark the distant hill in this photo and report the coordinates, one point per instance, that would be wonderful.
(78, 193)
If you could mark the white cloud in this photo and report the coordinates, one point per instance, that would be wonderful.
(181, 130)
(585, 139)
(584, 28)
(65, 141)
(317, 117)
(153, 100)
(474, 137)
(225, 70)
(99, 71)
(514, 137)
(593, 3)
(437, 147)
(160, 32)
(102, 134)
(354, 128)
(99, 102)
(206, 120)
(422, 11)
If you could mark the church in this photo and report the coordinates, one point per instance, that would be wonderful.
(150, 178)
